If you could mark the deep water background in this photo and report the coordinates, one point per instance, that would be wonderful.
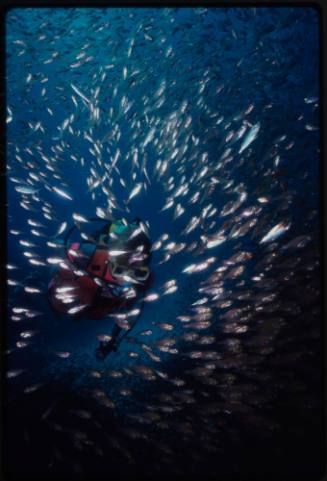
(261, 418)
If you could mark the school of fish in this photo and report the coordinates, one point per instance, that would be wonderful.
(178, 116)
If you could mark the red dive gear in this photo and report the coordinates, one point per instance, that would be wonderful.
(86, 290)
(99, 299)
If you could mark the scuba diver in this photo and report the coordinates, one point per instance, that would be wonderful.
(105, 272)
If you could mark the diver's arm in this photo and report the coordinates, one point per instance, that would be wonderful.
(133, 323)
(115, 331)
(108, 346)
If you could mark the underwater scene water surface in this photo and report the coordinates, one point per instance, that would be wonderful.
(204, 124)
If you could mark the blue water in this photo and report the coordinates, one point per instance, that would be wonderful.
(216, 63)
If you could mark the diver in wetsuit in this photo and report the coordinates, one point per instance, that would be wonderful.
(115, 271)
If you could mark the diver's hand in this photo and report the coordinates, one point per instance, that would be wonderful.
(105, 348)
(99, 354)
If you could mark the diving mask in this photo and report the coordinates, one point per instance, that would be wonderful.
(140, 273)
